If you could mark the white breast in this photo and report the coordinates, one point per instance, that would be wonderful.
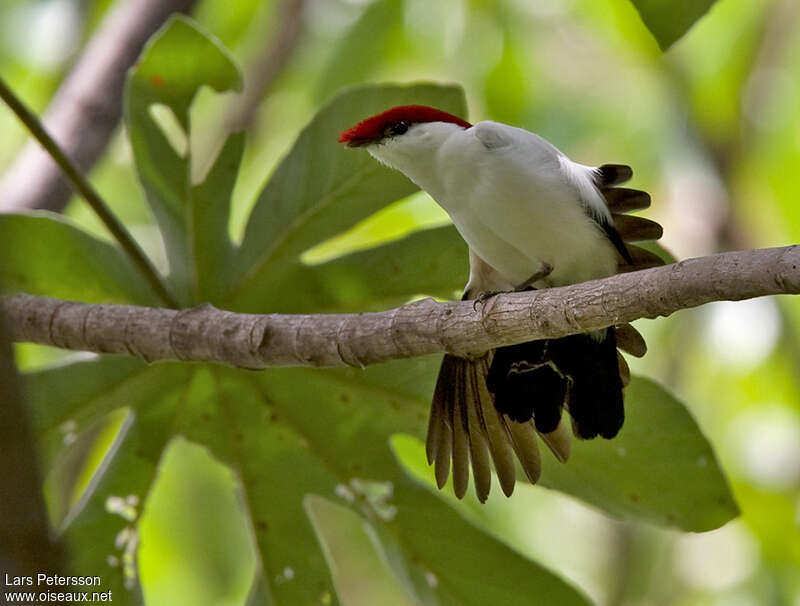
(519, 203)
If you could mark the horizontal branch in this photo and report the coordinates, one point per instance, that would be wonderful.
(207, 334)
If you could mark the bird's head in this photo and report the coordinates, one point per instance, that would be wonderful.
(403, 134)
(396, 123)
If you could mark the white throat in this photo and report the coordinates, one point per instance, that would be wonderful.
(415, 153)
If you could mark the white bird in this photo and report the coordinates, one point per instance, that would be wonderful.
(532, 219)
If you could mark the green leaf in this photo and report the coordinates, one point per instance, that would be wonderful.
(432, 262)
(465, 565)
(213, 542)
(78, 462)
(356, 558)
(321, 188)
(44, 254)
(250, 421)
(286, 433)
(73, 396)
(660, 468)
(668, 20)
(344, 424)
(177, 61)
(210, 208)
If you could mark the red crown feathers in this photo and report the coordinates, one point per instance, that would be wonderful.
(373, 128)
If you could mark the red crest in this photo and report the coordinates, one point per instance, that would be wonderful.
(373, 128)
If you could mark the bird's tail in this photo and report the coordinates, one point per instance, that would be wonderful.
(465, 426)
(492, 408)
(579, 373)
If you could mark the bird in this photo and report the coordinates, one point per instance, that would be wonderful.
(532, 219)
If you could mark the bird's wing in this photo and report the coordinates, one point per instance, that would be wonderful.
(622, 200)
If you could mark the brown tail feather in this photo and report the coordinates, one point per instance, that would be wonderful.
(499, 440)
(466, 428)
(624, 370)
(440, 435)
(526, 447)
(613, 174)
(460, 437)
(478, 442)
(631, 340)
(559, 441)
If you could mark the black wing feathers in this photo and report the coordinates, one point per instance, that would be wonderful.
(609, 175)
(616, 240)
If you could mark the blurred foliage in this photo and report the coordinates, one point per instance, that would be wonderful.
(669, 20)
(712, 129)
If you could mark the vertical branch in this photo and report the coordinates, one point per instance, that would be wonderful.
(267, 64)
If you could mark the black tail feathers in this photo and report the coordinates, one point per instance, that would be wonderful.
(580, 373)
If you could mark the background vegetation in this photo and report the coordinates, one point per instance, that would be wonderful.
(208, 476)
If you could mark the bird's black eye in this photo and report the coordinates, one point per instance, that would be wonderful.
(396, 129)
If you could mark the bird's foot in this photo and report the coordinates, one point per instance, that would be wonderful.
(483, 296)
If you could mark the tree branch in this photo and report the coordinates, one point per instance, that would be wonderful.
(87, 107)
(206, 334)
(266, 65)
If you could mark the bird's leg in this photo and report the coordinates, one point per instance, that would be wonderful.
(545, 270)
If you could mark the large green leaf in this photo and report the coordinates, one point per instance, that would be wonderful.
(345, 418)
(287, 433)
(668, 20)
(431, 261)
(43, 254)
(174, 65)
(659, 468)
(320, 189)
(68, 399)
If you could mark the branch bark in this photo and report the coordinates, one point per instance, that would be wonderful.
(87, 107)
(207, 334)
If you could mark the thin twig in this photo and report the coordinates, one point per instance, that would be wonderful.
(82, 186)
(207, 334)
